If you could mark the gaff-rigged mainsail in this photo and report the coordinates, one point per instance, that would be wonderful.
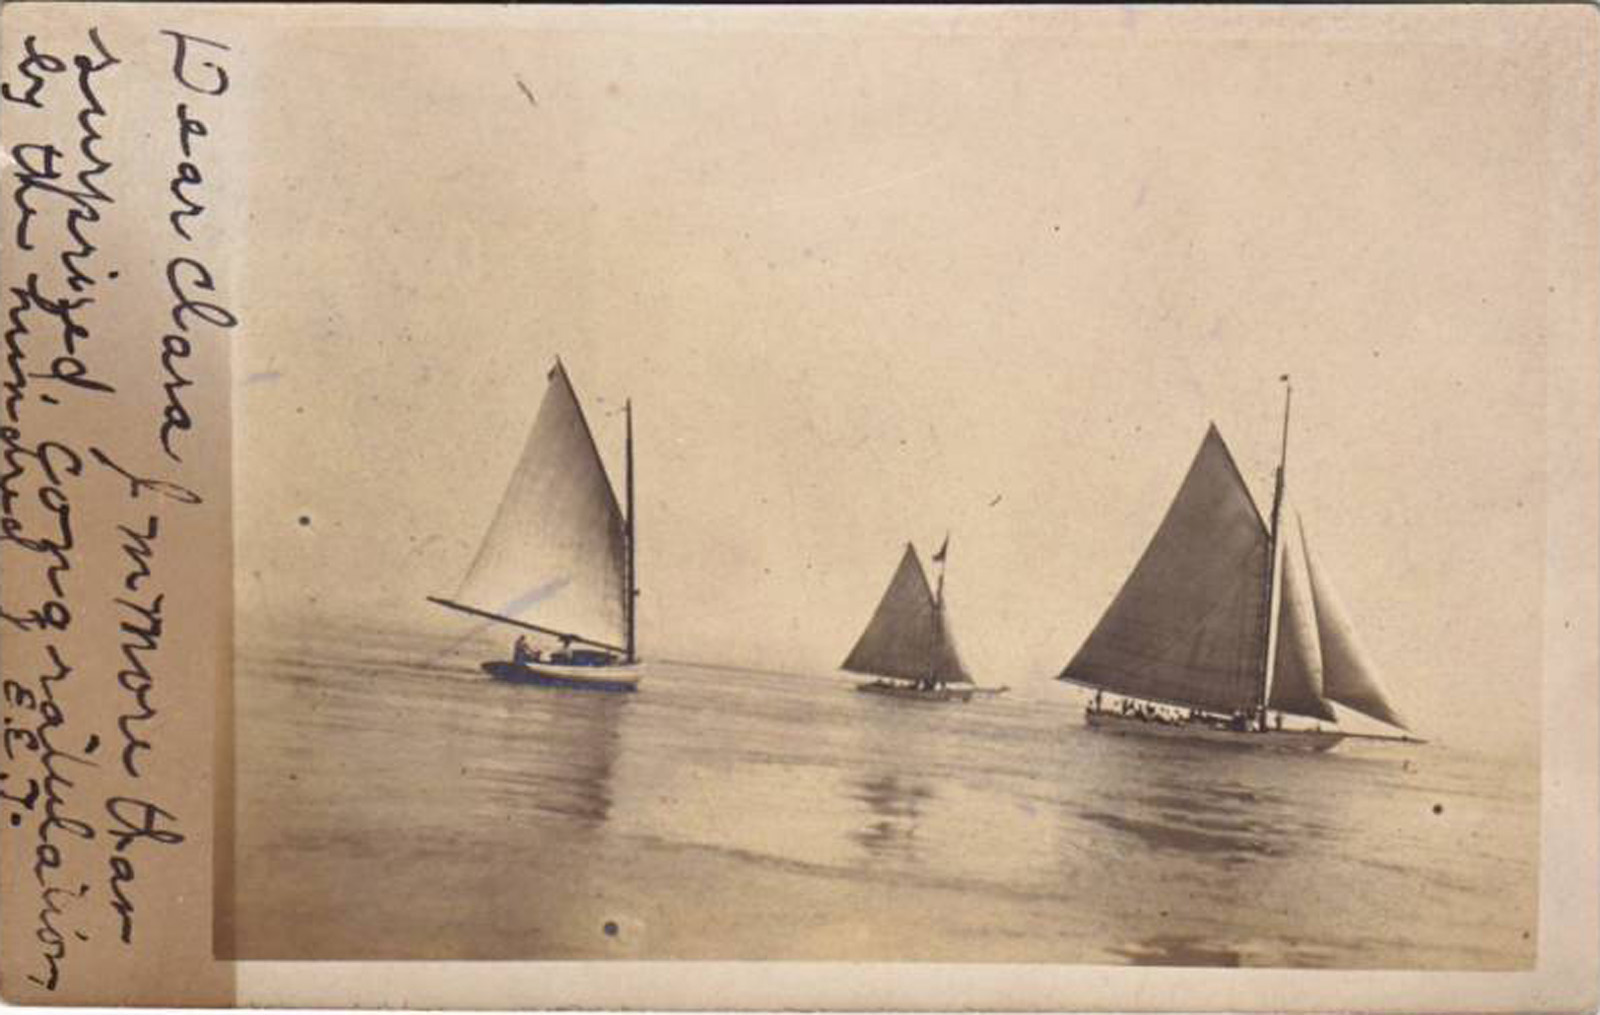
(556, 552)
(908, 636)
(1188, 625)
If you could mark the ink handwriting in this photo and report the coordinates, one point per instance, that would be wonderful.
(77, 631)
(189, 281)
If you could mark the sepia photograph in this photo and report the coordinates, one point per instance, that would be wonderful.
(819, 508)
(952, 489)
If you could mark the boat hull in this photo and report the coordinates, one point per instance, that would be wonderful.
(944, 692)
(1311, 741)
(612, 679)
(910, 692)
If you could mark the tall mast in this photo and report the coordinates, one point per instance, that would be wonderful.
(631, 593)
(938, 606)
(1272, 551)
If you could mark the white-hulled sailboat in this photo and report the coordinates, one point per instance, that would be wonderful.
(908, 645)
(558, 559)
(1230, 623)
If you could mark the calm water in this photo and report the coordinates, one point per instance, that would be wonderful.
(393, 802)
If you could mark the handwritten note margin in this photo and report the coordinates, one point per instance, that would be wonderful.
(116, 560)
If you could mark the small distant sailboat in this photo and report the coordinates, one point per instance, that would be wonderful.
(560, 550)
(1193, 626)
(908, 645)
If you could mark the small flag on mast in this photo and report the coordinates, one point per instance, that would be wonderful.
(938, 558)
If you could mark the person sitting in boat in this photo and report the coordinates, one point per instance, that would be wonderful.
(525, 653)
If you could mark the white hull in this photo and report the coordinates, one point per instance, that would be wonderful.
(616, 678)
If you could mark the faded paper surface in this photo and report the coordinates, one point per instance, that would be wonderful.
(121, 224)
(869, 276)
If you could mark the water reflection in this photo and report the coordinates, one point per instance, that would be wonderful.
(1200, 833)
(549, 754)
(1200, 821)
(392, 809)
(1196, 805)
(899, 749)
(415, 790)
(541, 781)
(894, 807)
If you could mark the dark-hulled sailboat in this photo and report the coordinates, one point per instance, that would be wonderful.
(908, 645)
(558, 559)
(1193, 626)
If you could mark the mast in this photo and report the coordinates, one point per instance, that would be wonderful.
(938, 606)
(631, 591)
(1272, 553)
(559, 539)
(908, 637)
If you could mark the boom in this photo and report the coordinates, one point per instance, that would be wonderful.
(565, 636)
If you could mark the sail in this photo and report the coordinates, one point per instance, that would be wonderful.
(1348, 677)
(1189, 624)
(1297, 667)
(555, 553)
(909, 636)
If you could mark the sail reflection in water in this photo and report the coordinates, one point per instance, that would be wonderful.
(894, 808)
(568, 777)
(395, 804)
(473, 790)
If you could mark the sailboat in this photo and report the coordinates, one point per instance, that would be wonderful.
(558, 558)
(1231, 623)
(907, 644)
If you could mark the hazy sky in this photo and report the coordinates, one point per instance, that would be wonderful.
(990, 272)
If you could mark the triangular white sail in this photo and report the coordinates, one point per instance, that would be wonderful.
(1297, 665)
(1348, 677)
(908, 636)
(1189, 625)
(555, 554)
